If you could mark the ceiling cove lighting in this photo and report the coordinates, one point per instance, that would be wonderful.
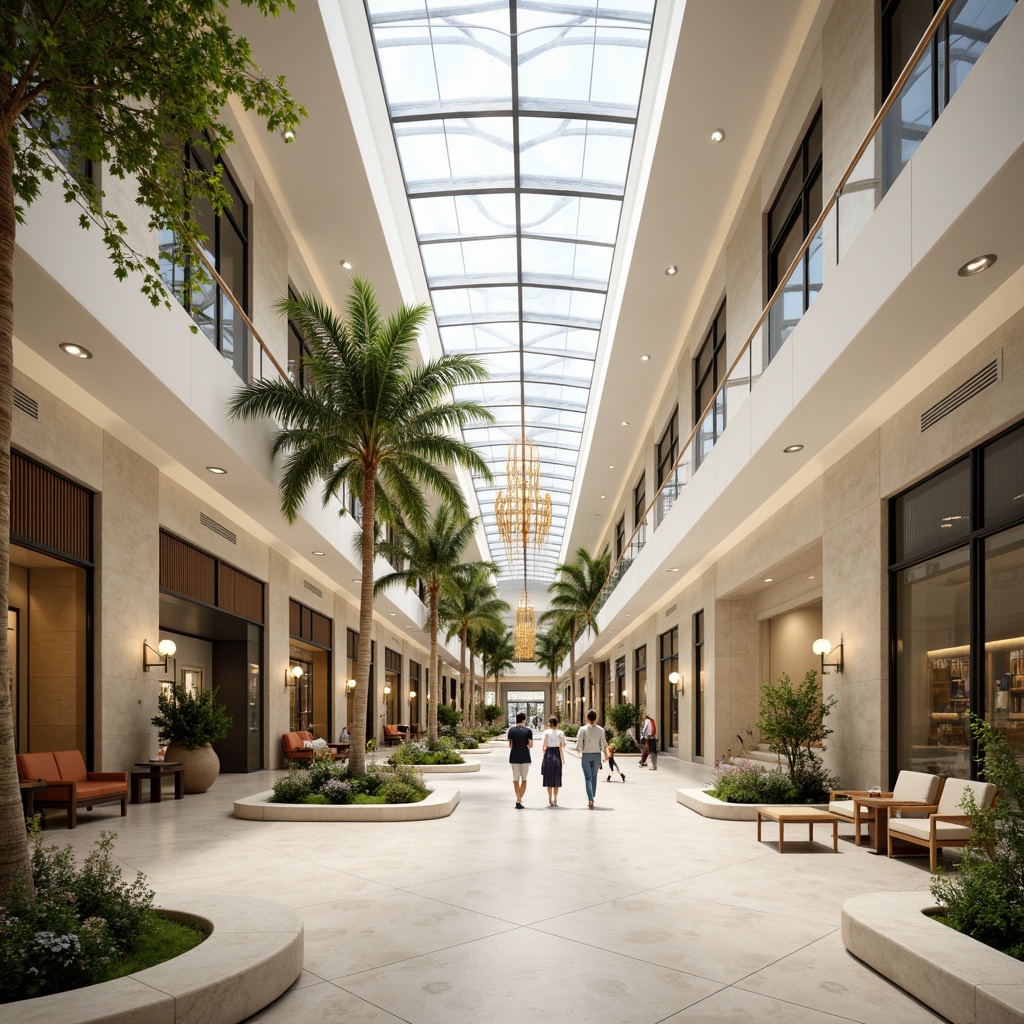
(77, 351)
(718, 135)
(978, 265)
(513, 124)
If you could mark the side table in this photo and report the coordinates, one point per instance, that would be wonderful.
(28, 795)
(156, 771)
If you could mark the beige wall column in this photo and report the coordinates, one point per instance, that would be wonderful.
(275, 660)
(127, 607)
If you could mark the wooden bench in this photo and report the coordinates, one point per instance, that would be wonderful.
(70, 786)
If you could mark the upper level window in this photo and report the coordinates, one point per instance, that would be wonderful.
(797, 206)
(709, 370)
(227, 248)
(965, 32)
(298, 349)
(639, 500)
(668, 447)
(620, 536)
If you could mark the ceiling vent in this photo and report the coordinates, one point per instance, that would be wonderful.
(27, 405)
(671, 610)
(985, 377)
(313, 590)
(221, 531)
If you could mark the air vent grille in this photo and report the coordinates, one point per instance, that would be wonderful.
(671, 610)
(221, 531)
(312, 589)
(974, 385)
(27, 405)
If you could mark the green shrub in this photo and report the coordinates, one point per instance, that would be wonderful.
(623, 717)
(747, 783)
(398, 792)
(192, 719)
(492, 713)
(441, 752)
(625, 744)
(292, 788)
(570, 729)
(792, 718)
(985, 898)
(468, 742)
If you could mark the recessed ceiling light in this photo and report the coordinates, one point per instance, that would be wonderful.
(769, 580)
(671, 270)
(319, 554)
(625, 423)
(78, 351)
(810, 577)
(216, 470)
(790, 448)
(288, 135)
(611, 467)
(392, 614)
(357, 580)
(717, 135)
(603, 495)
(672, 570)
(645, 358)
(977, 265)
(346, 265)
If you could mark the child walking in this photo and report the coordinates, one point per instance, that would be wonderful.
(612, 766)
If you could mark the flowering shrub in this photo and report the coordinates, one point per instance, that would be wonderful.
(328, 782)
(73, 926)
(747, 783)
(442, 752)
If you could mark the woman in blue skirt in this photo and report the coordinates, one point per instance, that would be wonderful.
(554, 758)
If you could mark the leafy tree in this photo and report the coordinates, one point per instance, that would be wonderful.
(368, 418)
(498, 651)
(475, 605)
(492, 713)
(573, 596)
(623, 717)
(123, 84)
(793, 717)
(432, 554)
(550, 650)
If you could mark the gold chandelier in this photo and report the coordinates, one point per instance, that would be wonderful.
(522, 512)
(524, 628)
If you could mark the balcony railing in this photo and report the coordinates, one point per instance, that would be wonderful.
(905, 117)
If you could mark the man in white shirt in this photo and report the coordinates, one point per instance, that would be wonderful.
(590, 744)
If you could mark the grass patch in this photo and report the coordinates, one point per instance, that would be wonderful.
(365, 798)
(160, 939)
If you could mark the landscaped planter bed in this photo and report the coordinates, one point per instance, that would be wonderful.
(240, 968)
(448, 769)
(962, 979)
(438, 804)
(704, 803)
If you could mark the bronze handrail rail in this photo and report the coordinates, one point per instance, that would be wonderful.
(886, 106)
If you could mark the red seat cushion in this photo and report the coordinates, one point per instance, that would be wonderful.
(290, 741)
(38, 766)
(98, 789)
(71, 765)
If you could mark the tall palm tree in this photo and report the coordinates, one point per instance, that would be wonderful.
(550, 651)
(475, 605)
(573, 594)
(368, 418)
(431, 553)
(498, 651)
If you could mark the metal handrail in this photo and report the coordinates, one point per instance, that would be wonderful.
(886, 106)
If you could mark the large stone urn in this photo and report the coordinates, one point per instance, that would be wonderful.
(202, 765)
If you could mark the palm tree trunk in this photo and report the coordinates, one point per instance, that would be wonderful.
(467, 696)
(14, 861)
(572, 674)
(435, 663)
(357, 744)
(472, 688)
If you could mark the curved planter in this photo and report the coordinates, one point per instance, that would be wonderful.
(711, 807)
(960, 978)
(438, 804)
(251, 956)
(475, 751)
(202, 765)
(448, 769)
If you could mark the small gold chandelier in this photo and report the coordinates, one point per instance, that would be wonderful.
(524, 629)
(522, 512)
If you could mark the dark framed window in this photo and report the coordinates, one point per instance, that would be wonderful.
(698, 683)
(620, 536)
(668, 659)
(640, 676)
(639, 501)
(621, 696)
(227, 248)
(797, 205)
(709, 370)
(415, 675)
(298, 350)
(668, 447)
(965, 32)
(956, 609)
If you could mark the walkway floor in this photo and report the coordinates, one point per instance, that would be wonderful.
(639, 911)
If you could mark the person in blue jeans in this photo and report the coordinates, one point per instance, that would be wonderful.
(590, 745)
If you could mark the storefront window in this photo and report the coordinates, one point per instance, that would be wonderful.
(1004, 634)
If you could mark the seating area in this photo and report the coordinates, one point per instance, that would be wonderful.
(294, 746)
(70, 785)
(911, 788)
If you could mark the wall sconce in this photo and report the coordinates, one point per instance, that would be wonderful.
(822, 647)
(350, 685)
(165, 649)
(412, 695)
(624, 693)
(387, 691)
(676, 680)
(293, 675)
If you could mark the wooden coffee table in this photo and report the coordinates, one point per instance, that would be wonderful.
(878, 819)
(809, 816)
(157, 771)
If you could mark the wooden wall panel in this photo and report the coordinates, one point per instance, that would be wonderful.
(49, 510)
(240, 594)
(186, 570)
(321, 630)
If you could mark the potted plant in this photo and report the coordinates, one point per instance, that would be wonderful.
(190, 723)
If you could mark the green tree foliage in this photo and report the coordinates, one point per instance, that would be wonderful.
(985, 897)
(550, 650)
(792, 718)
(623, 717)
(493, 713)
(122, 84)
(370, 419)
(192, 719)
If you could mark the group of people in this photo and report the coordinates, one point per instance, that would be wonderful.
(591, 744)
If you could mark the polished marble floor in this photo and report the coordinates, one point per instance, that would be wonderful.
(636, 912)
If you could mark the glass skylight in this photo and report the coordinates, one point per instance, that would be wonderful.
(514, 123)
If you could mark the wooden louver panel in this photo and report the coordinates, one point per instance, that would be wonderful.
(49, 510)
(321, 630)
(306, 624)
(240, 594)
(186, 570)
